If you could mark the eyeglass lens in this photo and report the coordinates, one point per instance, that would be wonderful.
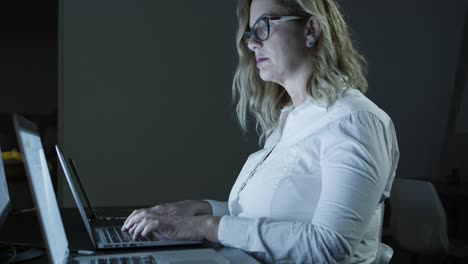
(260, 31)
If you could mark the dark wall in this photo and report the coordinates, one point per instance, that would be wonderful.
(145, 101)
(413, 50)
(28, 52)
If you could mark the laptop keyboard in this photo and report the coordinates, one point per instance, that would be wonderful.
(125, 260)
(114, 234)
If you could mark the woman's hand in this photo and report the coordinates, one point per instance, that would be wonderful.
(182, 208)
(173, 226)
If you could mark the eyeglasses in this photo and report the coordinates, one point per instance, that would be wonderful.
(261, 28)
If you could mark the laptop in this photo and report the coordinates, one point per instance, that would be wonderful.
(189, 256)
(51, 223)
(90, 210)
(108, 234)
(5, 202)
(7, 252)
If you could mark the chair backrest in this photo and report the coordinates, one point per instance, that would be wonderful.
(384, 254)
(418, 222)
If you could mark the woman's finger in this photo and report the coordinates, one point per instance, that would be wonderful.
(134, 219)
(138, 229)
(152, 226)
(129, 218)
(132, 228)
(131, 215)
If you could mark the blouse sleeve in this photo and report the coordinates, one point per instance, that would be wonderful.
(358, 154)
(218, 208)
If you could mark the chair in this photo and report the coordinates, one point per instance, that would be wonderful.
(384, 254)
(418, 223)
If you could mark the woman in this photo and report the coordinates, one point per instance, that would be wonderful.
(313, 193)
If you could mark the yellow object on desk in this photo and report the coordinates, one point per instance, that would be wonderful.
(12, 155)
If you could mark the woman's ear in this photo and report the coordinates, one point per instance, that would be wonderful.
(312, 31)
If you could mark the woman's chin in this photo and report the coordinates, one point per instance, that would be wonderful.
(265, 76)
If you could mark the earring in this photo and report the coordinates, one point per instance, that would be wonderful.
(310, 44)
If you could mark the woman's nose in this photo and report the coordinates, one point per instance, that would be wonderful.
(253, 44)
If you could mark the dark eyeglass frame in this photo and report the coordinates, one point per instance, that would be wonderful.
(252, 32)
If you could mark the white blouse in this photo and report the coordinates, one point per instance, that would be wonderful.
(313, 193)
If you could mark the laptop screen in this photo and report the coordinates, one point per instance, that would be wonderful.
(5, 203)
(74, 191)
(75, 184)
(42, 190)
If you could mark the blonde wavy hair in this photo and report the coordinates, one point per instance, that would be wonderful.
(337, 64)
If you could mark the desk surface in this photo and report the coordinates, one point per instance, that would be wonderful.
(24, 228)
